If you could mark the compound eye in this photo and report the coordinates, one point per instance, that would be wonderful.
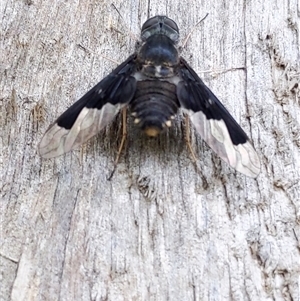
(150, 22)
(171, 24)
(160, 25)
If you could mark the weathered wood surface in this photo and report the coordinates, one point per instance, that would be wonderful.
(160, 230)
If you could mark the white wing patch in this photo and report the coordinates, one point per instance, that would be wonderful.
(89, 122)
(241, 157)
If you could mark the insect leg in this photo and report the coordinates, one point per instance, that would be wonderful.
(188, 140)
(124, 135)
(191, 31)
(132, 35)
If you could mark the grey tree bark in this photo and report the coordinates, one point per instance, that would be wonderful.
(159, 230)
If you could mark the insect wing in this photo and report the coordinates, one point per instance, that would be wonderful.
(215, 124)
(91, 113)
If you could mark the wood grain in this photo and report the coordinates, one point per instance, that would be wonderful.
(160, 229)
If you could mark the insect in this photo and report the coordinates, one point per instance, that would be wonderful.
(154, 83)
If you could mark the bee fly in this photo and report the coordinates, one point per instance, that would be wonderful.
(154, 83)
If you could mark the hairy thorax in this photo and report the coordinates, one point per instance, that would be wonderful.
(155, 102)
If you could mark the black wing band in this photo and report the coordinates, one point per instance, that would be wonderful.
(215, 124)
(92, 112)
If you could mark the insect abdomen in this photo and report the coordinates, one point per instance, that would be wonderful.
(153, 105)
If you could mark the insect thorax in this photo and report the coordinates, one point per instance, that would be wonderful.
(155, 102)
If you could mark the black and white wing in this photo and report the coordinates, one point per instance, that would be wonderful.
(91, 113)
(214, 123)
